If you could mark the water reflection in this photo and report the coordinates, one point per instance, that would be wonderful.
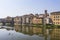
(13, 35)
(29, 30)
(28, 33)
(52, 34)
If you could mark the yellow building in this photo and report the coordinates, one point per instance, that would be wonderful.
(55, 16)
(37, 20)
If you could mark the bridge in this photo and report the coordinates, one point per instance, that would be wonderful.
(4, 22)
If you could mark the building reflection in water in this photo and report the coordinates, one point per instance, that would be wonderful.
(28, 30)
(53, 34)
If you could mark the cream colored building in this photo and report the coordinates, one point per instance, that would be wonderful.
(17, 20)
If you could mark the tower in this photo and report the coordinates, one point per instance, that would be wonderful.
(46, 14)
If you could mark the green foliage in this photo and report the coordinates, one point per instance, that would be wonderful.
(50, 26)
(37, 25)
(57, 26)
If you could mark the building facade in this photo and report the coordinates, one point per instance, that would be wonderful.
(17, 20)
(37, 20)
(27, 19)
(55, 16)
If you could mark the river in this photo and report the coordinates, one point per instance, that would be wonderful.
(13, 35)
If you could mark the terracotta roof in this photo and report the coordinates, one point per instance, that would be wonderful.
(38, 17)
(17, 17)
(55, 13)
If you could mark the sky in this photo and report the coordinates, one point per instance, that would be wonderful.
(21, 7)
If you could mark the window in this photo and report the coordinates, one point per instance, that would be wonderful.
(58, 19)
(27, 20)
(57, 16)
(54, 19)
(54, 16)
(58, 22)
(54, 22)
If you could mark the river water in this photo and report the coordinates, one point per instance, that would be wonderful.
(28, 33)
(13, 35)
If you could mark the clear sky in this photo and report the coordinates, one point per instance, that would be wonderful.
(20, 7)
